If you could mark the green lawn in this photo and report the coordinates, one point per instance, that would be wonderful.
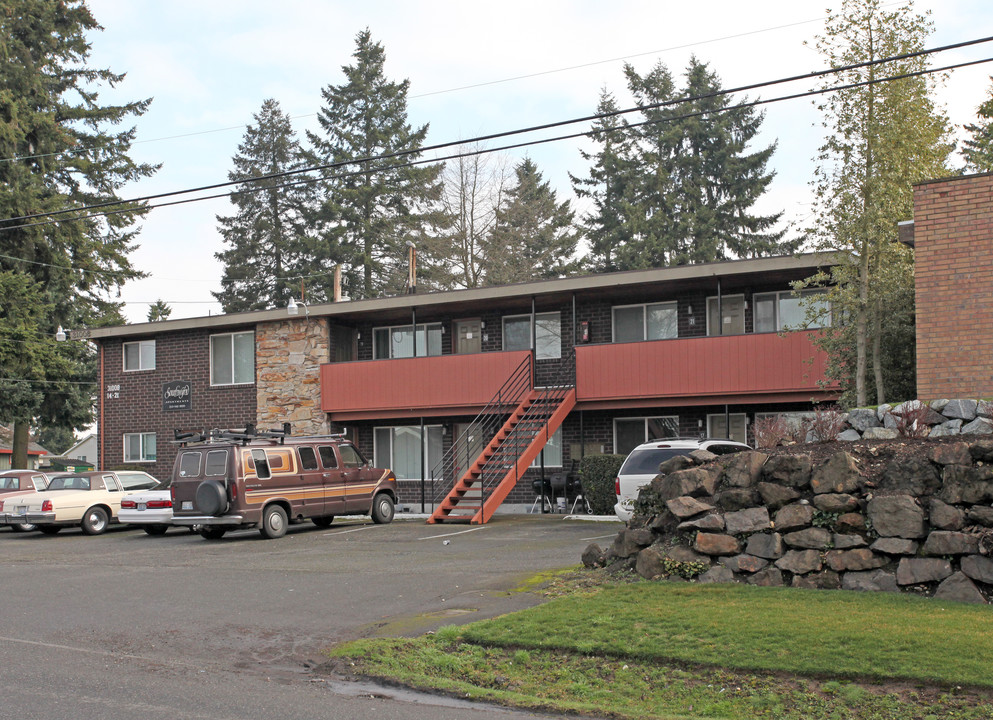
(684, 650)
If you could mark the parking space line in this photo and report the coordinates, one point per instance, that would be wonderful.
(460, 532)
(342, 532)
(599, 537)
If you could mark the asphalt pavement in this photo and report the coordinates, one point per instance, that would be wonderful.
(127, 625)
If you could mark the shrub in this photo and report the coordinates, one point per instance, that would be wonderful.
(772, 431)
(597, 474)
(824, 424)
(911, 421)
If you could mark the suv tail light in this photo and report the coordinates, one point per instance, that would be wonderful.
(46, 506)
(158, 504)
(617, 486)
(128, 504)
(233, 489)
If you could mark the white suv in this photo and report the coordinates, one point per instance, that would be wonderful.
(642, 465)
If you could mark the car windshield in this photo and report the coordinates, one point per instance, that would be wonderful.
(646, 461)
(69, 483)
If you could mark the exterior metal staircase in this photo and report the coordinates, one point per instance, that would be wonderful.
(516, 440)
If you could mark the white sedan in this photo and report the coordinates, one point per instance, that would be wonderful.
(150, 509)
(90, 500)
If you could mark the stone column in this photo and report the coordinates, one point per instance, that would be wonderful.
(288, 358)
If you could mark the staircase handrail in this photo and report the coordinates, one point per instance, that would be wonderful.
(485, 424)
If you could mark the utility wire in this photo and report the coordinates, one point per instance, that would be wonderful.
(487, 83)
(493, 136)
(482, 151)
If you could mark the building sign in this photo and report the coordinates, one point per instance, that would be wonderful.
(113, 392)
(177, 395)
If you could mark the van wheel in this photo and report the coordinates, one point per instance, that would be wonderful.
(273, 522)
(323, 522)
(95, 521)
(382, 509)
(212, 532)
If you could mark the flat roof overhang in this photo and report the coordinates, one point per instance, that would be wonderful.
(627, 285)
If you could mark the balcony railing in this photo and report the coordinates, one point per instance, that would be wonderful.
(767, 364)
(446, 384)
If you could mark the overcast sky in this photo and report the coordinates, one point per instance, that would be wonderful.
(474, 69)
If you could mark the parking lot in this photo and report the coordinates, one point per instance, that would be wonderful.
(156, 620)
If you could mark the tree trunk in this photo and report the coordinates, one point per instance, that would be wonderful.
(19, 458)
(877, 359)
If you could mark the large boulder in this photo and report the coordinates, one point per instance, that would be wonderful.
(814, 538)
(941, 543)
(776, 496)
(765, 545)
(951, 453)
(744, 469)
(800, 562)
(895, 546)
(835, 503)
(959, 588)
(980, 515)
(880, 433)
(716, 544)
(979, 426)
(744, 563)
(650, 563)
(944, 516)
(981, 450)
(736, 498)
(863, 418)
(795, 516)
(978, 568)
(695, 482)
(593, 556)
(838, 474)
(770, 577)
(789, 470)
(716, 574)
(854, 560)
(896, 516)
(909, 475)
(969, 484)
(824, 580)
(747, 521)
(686, 507)
(947, 429)
(713, 522)
(845, 542)
(629, 542)
(915, 571)
(676, 463)
(960, 409)
(870, 581)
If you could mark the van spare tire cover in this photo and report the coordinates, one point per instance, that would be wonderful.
(212, 498)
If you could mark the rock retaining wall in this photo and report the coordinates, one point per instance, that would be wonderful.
(938, 418)
(925, 525)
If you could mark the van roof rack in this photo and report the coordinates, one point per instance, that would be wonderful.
(243, 435)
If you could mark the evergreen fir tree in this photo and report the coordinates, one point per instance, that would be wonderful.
(608, 226)
(978, 147)
(159, 310)
(534, 237)
(370, 208)
(264, 238)
(63, 148)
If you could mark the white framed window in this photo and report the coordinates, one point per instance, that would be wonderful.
(139, 447)
(634, 323)
(139, 355)
(717, 426)
(731, 309)
(548, 334)
(777, 311)
(631, 432)
(552, 452)
(232, 358)
(398, 341)
(400, 449)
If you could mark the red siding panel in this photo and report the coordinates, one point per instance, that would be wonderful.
(447, 381)
(698, 367)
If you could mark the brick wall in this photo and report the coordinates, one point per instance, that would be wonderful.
(132, 401)
(953, 235)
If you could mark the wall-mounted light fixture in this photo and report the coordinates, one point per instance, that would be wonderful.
(60, 335)
(293, 307)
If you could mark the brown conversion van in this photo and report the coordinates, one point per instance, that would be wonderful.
(225, 480)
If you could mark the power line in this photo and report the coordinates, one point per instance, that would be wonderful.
(474, 152)
(487, 83)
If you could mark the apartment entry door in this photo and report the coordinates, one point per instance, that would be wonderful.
(726, 316)
(468, 336)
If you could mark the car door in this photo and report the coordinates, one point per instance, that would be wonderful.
(333, 479)
(312, 482)
(358, 487)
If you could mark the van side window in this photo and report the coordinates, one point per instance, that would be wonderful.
(350, 456)
(327, 457)
(261, 464)
(308, 458)
(216, 464)
(189, 465)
